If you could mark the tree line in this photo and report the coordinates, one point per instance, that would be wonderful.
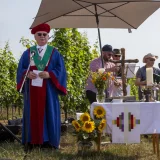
(77, 53)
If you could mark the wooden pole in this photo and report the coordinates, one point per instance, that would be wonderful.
(123, 61)
(123, 74)
(155, 138)
(157, 144)
(154, 148)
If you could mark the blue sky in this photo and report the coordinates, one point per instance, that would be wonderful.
(17, 16)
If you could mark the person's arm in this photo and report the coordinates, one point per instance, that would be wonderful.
(114, 68)
(118, 82)
(94, 65)
(138, 82)
(57, 72)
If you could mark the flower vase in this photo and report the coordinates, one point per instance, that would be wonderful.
(84, 147)
(100, 96)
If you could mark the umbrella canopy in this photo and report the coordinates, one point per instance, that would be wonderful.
(95, 14)
(89, 13)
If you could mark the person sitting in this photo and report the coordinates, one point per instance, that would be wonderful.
(149, 60)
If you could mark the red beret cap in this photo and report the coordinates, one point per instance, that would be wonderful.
(41, 27)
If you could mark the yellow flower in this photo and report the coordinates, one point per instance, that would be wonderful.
(99, 112)
(93, 81)
(113, 78)
(27, 46)
(109, 74)
(85, 117)
(88, 126)
(76, 125)
(102, 125)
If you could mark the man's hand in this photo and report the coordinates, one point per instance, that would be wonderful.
(143, 82)
(118, 83)
(44, 75)
(32, 75)
(113, 69)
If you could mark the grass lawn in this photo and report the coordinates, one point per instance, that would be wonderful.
(68, 151)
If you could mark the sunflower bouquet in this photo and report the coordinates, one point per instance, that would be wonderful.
(86, 128)
(99, 118)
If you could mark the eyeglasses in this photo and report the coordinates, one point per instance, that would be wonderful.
(40, 34)
(117, 55)
(152, 59)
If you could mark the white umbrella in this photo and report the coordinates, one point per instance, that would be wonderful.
(95, 13)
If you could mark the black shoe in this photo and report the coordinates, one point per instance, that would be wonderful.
(146, 136)
(28, 148)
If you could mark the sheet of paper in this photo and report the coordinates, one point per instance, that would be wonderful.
(130, 70)
(38, 81)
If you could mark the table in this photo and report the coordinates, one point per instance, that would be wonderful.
(149, 118)
(149, 115)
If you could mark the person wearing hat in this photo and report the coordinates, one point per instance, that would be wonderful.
(149, 60)
(117, 56)
(117, 90)
(94, 66)
(45, 80)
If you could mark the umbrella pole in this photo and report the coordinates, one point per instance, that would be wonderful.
(99, 35)
(100, 45)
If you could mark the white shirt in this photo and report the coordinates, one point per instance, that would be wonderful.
(43, 51)
(40, 54)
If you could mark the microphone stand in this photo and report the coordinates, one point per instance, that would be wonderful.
(31, 57)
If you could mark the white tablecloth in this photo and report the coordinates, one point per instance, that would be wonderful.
(149, 115)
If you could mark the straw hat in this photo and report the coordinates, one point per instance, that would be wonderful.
(149, 55)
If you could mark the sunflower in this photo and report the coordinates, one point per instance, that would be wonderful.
(99, 112)
(102, 125)
(85, 117)
(76, 125)
(88, 126)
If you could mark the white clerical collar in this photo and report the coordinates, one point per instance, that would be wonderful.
(43, 47)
